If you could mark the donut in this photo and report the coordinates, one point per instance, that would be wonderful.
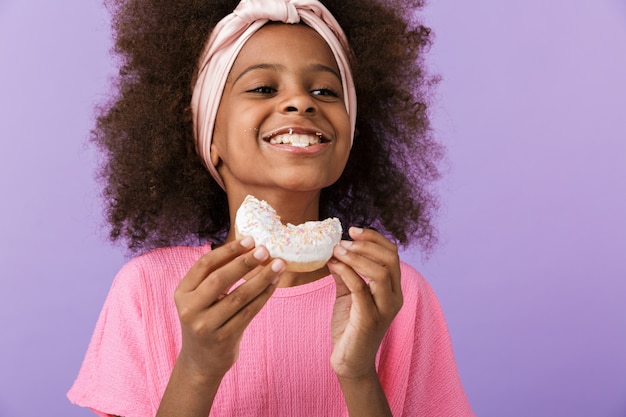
(305, 247)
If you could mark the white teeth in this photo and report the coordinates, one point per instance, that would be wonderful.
(301, 141)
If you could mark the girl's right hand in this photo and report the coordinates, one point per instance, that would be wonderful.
(213, 318)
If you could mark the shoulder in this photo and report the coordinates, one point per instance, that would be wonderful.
(412, 279)
(419, 297)
(167, 259)
(163, 266)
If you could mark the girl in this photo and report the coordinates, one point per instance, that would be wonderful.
(219, 328)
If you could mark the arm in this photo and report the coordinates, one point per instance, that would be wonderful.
(213, 320)
(188, 394)
(364, 396)
(369, 296)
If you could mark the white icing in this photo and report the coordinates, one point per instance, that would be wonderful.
(307, 242)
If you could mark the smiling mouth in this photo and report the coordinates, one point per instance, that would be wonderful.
(300, 140)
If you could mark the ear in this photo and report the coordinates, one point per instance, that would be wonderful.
(215, 156)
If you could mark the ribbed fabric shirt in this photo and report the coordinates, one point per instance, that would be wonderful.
(283, 367)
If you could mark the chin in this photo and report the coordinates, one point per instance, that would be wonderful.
(304, 181)
(307, 184)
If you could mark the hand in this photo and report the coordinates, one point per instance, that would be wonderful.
(212, 317)
(369, 295)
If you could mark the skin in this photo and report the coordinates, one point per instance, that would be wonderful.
(284, 77)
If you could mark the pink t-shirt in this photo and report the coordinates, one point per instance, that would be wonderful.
(283, 367)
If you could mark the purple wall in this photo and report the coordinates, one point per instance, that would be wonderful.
(530, 272)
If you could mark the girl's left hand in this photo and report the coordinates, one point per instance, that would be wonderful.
(369, 295)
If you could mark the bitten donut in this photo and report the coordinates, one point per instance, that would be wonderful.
(305, 247)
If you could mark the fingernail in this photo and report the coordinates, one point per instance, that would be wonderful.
(247, 242)
(356, 230)
(260, 254)
(346, 243)
(278, 266)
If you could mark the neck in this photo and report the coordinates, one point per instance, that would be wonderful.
(292, 279)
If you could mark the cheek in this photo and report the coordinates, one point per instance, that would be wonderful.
(342, 120)
(346, 145)
(342, 155)
(346, 130)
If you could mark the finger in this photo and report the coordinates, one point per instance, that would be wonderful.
(367, 296)
(219, 282)
(375, 274)
(242, 318)
(380, 279)
(374, 246)
(349, 281)
(212, 260)
(247, 299)
(341, 289)
(359, 233)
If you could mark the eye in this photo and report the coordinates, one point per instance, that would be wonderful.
(264, 89)
(325, 92)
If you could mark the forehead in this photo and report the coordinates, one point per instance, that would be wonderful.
(276, 42)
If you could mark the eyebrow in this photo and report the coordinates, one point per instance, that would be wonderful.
(279, 68)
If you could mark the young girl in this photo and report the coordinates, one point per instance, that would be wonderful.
(208, 324)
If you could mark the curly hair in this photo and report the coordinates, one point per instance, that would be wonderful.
(156, 188)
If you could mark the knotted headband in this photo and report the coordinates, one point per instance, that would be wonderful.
(227, 39)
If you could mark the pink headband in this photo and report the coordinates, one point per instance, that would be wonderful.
(227, 39)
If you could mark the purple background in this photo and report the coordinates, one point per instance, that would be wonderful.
(531, 269)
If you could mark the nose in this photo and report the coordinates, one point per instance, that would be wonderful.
(298, 102)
